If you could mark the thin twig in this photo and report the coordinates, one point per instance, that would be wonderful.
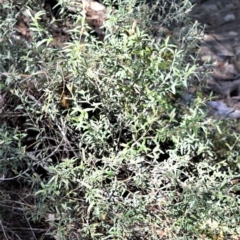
(3, 230)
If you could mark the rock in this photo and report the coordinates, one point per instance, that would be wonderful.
(94, 6)
(235, 114)
(221, 109)
(232, 33)
(229, 17)
(98, 7)
(206, 58)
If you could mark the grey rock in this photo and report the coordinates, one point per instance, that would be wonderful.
(221, 109)
(229, 17)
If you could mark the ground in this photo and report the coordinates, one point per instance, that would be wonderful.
(220, 49)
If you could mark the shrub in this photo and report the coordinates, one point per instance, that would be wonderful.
(107, 143)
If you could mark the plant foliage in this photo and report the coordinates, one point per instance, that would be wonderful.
(100, 139)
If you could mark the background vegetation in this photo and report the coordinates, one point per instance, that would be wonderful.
(100, 138)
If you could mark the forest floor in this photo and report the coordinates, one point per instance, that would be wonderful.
(220, 50)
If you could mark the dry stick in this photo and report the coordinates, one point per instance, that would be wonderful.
(29, 225)
(3, 230)
(10, 230)
(6, 179)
